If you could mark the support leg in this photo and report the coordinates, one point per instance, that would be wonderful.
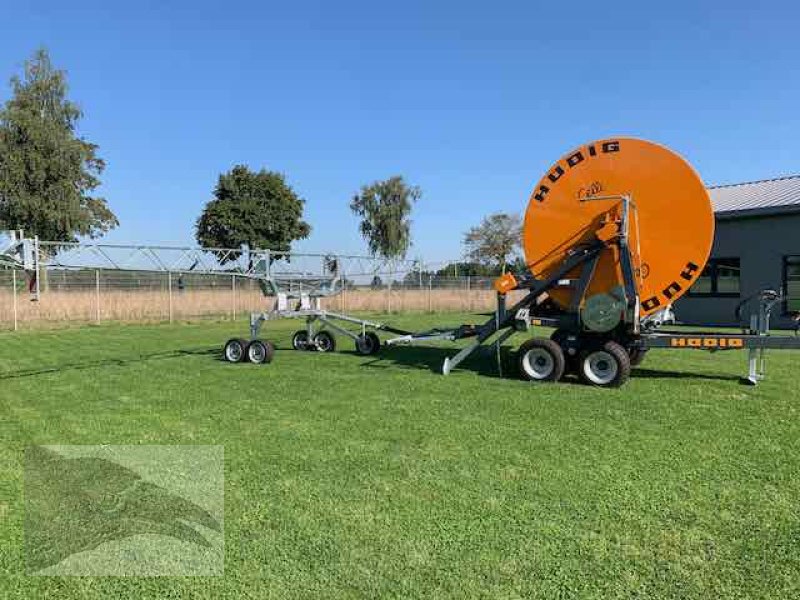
(752, 363)
(255, 324)
(310, 328)
(451, 363)
(498, 343)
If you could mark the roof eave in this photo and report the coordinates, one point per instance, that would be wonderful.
(765, 211)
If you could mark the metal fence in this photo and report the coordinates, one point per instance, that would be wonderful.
(86, 295)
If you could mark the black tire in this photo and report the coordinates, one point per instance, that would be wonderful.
(377, 340)
(368, 343)
(300, 340)
(260, 352)
(559, 336)
(324, 342)
(606, 365)
(541, 360)
(235, 350)
(637, 356)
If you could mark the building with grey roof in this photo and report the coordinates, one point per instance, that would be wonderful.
(756, 247)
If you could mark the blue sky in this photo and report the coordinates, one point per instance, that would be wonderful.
(470, 101)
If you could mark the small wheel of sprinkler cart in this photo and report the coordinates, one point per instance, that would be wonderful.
(541, 360)
(376, 341)
(300, 340)
(260, 352)
(235, 350)
(605, 366)
(324, 342)
(368, 343)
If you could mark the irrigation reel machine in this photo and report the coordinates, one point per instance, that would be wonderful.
(615, 232)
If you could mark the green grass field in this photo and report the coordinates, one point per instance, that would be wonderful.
(349, 476)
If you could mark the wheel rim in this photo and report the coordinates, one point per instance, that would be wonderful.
(233, 352)
(600, 367)
(299, 341)
(257, 353)
(323, 343)
(538, 363)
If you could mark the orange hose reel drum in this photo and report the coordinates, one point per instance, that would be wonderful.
(670, 243)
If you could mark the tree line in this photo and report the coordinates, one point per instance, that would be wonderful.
(49, 175)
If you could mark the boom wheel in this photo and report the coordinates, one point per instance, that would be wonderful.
(235, 350)
(260, 352)
(324, 342)
(300, 340)
(368, 343)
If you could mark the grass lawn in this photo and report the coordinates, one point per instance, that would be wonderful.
(349, 476)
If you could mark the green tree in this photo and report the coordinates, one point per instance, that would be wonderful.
(255, 208)
(471, 269)
(518, 265)
(385, 210)
(495, 240)
(47, 172)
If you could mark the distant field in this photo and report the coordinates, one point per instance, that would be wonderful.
(351, 476)
(86, 305)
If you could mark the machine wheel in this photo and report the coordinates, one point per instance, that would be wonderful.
(541, 360)
(605, 366)
(324, 342)
(259, 352)
(368, 343)
(235, 350)
(637, 356)
(300, 340)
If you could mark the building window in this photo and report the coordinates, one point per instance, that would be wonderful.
(791, 283)
(721, 277)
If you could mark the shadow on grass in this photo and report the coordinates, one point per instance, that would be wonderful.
(111, 362)
(646, 373)
(484, 362)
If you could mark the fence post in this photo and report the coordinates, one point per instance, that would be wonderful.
(97, 295)
(233, 297)
(343, 279)
(469, 295)
(37, 267)
(389, 289)
(169, 294)
(14, 286)
(430, 293)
